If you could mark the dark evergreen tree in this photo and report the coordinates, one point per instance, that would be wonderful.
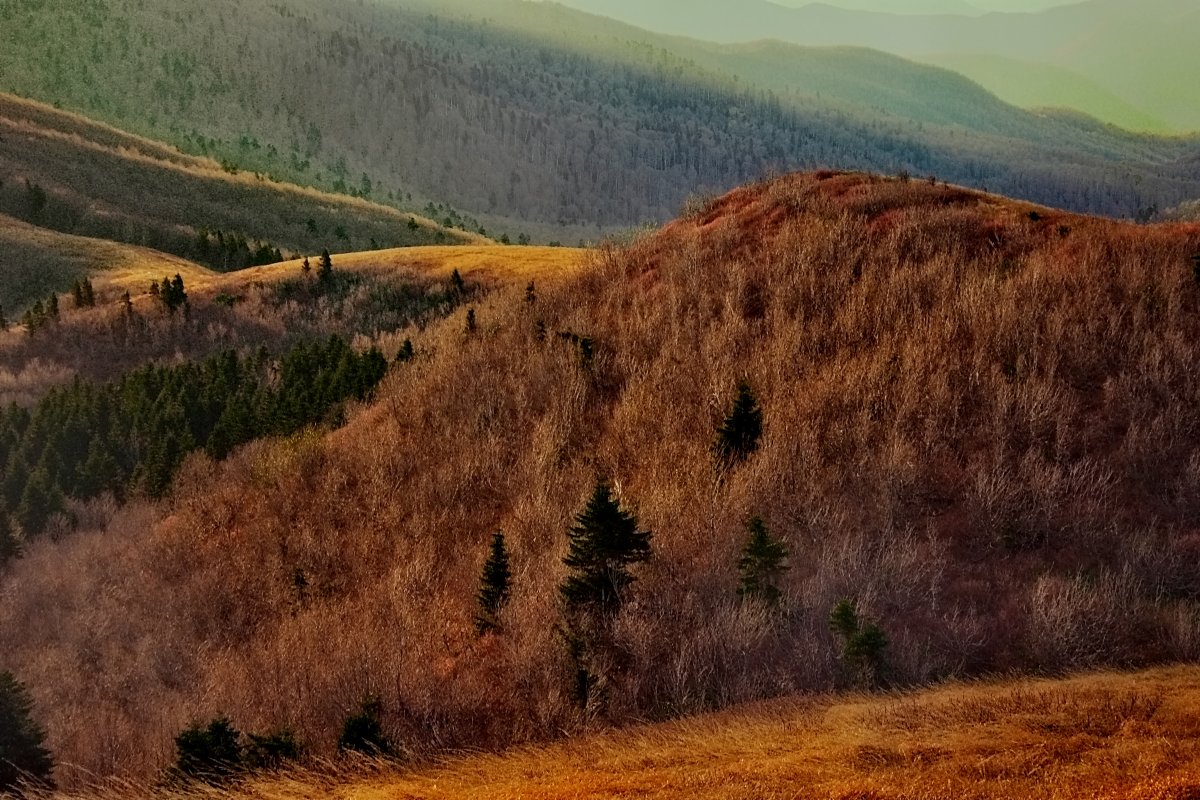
(272, 750)
(77, 294)
(306, 267)
(87, 293)
(530, 294)
(209, 753)
(761, 563)
(457, 285)
(739, 434)
(471, 325)
(10, 545)
(24, 759)
(325, 268)
(864, 645)
(362, 731)
(494, 586)
(406, 352)
(52, 308)
(40, 500)
(605, 541)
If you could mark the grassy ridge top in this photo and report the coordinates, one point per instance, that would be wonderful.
(66, 174)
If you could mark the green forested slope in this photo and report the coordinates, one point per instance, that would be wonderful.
(524, 111)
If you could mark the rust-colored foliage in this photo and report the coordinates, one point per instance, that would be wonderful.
(980, 429)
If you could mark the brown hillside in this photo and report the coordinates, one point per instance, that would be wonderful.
(980, 425)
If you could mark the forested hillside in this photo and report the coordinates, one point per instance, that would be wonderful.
(842, 431)
(65, 174)
(532, 112)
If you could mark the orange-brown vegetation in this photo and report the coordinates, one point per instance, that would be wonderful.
(98, 342)
(980, 425)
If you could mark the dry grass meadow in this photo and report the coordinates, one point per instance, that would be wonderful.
(980, 425)
(1108, 736)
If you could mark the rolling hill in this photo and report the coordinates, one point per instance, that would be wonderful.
(1135, 51)
(537, 118)
(82, 197)
(971, 405)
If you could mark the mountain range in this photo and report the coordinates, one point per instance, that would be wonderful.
(1139, 52)
(539, 119)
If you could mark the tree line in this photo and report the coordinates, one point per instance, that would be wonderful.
(131, 435)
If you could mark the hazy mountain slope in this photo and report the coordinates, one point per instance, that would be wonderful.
(1142, 52)
(68, 174)
(573, 127)
(1029, 85)
(972, 406)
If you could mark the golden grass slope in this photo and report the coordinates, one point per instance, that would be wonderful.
(1132, 736)
(489, 262)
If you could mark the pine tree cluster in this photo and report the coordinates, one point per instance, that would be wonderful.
(131, 435)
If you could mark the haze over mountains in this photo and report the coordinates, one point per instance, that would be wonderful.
(1139, 52)
(540, 119)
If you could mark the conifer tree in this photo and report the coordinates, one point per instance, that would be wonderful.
(52, 308)
(406, 351)
(24, 758)
(363, 730)
(739, 434)
(306, 267)
(494, 586)
(530, 294)
(10, 545)
(864, 644)
(77, 294)
(209, 753)
(471, 325)
(88, 292)
(3, 320)
(605, 541)
(457, 284)
(761, 564)
(325, 268)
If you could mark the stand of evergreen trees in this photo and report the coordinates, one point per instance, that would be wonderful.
(131, 435)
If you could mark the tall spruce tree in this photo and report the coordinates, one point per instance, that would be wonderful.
(494, 586)
(739, 434)
(325, 268)
(24, 758)
(605, 541)
(761, 563)
(10, 545)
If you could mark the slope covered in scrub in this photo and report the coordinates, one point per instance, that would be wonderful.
(979, 428)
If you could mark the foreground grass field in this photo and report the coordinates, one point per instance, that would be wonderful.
(1128, 736)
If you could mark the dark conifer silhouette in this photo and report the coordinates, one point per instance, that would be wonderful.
(494, 586)
(605, 541)
(760, 565)
(739, 434)
(24, 758)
